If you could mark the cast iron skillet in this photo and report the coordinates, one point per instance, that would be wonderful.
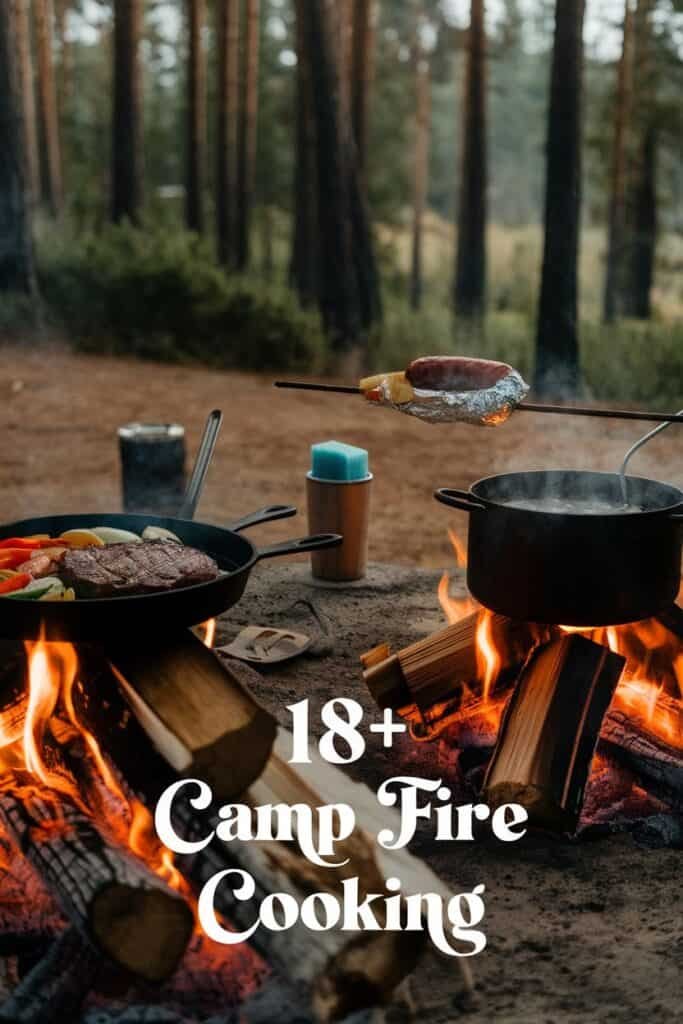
(149, 614)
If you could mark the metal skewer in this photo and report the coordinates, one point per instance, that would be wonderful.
(566, 410)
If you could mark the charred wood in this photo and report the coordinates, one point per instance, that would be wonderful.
(57, 986)
(123, 909)
(657, 764)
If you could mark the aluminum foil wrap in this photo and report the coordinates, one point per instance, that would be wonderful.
(485, 407)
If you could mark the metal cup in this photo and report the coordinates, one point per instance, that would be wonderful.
(152, 467)
(340, 507)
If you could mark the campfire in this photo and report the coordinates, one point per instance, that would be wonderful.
(582, 725)
(88, 890)
(89, 741)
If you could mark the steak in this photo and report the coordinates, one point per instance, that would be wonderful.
(117, 570)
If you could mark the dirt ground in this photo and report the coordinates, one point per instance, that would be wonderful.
(59, 413)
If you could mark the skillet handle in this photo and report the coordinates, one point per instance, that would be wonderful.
(458, 499)
(295, 547)
(264, 515)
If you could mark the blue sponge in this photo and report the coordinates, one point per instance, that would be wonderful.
(339, 462)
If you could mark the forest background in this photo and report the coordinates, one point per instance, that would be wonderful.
(326, 186)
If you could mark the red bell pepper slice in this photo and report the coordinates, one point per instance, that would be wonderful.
(10, 558)
(29, 543)
(17, 582)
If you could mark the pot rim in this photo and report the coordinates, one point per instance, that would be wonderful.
(663, 510)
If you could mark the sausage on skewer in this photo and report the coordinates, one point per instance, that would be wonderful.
(441, 389)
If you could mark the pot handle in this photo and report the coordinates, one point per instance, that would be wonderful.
(458, 499)
(295, 547)
(263, 515)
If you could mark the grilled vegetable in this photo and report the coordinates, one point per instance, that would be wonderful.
(110, 535)
(10, 558)
(82, 539)
(30, 543)
(36, 589)
(159, 533)
(16, 582)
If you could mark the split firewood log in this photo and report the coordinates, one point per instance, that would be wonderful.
(416, 674)
(195, 711)
(550, 729)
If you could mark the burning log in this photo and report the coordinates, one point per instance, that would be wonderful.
(416, 674)
(57, 986)
(656, 763)
(550, 729)
(343, 971)
(127, 912)
(199, 717)
(648, 740)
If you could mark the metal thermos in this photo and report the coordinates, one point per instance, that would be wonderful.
(152, 467)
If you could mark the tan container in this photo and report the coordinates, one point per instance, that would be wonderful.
(340, 507)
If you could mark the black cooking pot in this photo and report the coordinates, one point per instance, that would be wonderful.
(579, 569)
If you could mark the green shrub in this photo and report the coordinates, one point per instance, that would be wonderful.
(18, 314)
(159, 295)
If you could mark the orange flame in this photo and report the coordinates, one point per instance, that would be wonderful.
(49, 709)
(455, 608)
(488, 658)
(652, 683)
(650, 687)
(459, 548)
(209, 632)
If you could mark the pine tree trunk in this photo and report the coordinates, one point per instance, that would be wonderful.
(641, 204)
(339, 298)
(362, 74)
(470, 272)
(615, 223)
(645, 227)
(20, 9)
(341, 27)
(363, 252)
(363, 246)
(127, 163)
(196, 118)
(421, 168)
(51, 161)
(305, 258)
(267, 255)
(248, 130)
(557, 343)
(228, 33)
(65, 55)
(16, 249)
